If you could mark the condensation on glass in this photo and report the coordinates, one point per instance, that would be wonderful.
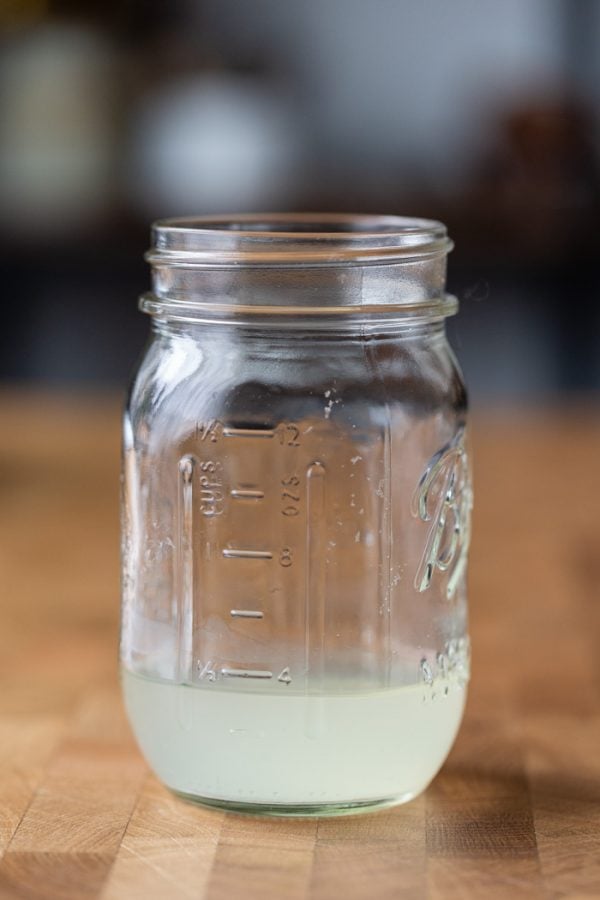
(296, 507)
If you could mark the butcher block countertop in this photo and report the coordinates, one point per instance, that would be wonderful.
(515, 811)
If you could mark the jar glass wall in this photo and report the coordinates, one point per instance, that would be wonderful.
(296, 503)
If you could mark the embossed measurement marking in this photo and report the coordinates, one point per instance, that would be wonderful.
(249, 432)
(247, 554)
(288, 435)
(246, 673)
(243, 494)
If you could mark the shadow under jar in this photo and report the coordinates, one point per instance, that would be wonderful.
(296, 505)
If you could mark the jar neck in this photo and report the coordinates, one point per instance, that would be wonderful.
(247, 267)
(407, 290)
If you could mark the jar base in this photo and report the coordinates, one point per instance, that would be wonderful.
(298, 810)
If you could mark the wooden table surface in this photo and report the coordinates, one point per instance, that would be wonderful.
(515, 811)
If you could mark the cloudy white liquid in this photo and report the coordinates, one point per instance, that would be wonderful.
(265, 747)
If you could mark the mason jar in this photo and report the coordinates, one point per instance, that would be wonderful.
(296, 505)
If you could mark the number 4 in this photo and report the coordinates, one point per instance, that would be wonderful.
(284, 676)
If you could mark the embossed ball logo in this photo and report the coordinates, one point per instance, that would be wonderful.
(444, 497)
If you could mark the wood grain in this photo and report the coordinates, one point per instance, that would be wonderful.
(514, 813)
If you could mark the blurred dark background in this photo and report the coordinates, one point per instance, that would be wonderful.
(483, 114)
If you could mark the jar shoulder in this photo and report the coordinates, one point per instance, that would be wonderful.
(186, 379)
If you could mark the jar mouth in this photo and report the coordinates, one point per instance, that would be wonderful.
(294, 239)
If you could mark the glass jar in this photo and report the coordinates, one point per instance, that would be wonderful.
(296, 508)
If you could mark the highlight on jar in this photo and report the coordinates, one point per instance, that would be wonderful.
(296, 514)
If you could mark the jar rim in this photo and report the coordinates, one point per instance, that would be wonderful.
(294, 239)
